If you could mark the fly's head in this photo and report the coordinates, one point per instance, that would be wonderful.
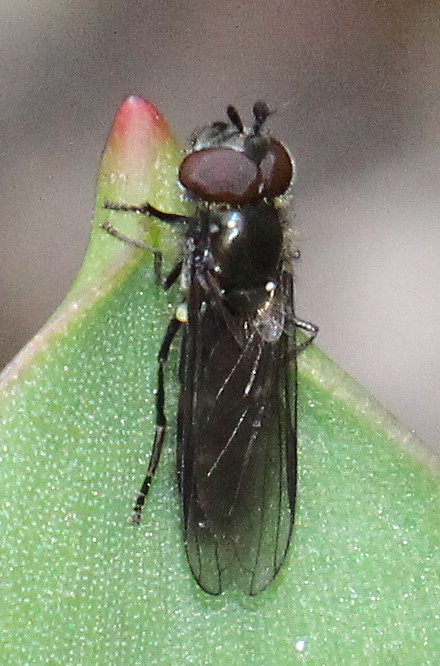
(234, 165)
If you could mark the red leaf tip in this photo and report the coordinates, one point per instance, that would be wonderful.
(136, 134)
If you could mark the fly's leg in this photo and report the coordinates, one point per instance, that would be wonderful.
(146, 209)
(161, 421)
(173, 275)
(170, 334)
(311, 329)
(292, 322)
(137, 243)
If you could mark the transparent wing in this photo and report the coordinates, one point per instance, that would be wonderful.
(236, 449)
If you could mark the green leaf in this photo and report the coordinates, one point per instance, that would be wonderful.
(81, 586)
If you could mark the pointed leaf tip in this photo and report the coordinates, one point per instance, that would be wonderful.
(140, 162)
(137, 133)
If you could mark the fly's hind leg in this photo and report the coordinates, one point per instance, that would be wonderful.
(170, 334)
(161, 421)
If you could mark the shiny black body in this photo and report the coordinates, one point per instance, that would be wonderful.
(236, 424)
(237, 410)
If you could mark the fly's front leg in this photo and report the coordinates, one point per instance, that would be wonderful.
(137, 243)
(161, 421)
(144, 209)
(147, 209)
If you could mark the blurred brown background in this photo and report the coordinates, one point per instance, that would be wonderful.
(357, 89)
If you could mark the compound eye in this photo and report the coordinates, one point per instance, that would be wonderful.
(221, 175)
(276, 170)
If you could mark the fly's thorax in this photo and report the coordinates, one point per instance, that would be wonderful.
(246, 244)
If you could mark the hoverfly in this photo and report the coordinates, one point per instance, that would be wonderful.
(236, 422)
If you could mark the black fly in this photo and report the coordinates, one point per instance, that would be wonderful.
(236, 424)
